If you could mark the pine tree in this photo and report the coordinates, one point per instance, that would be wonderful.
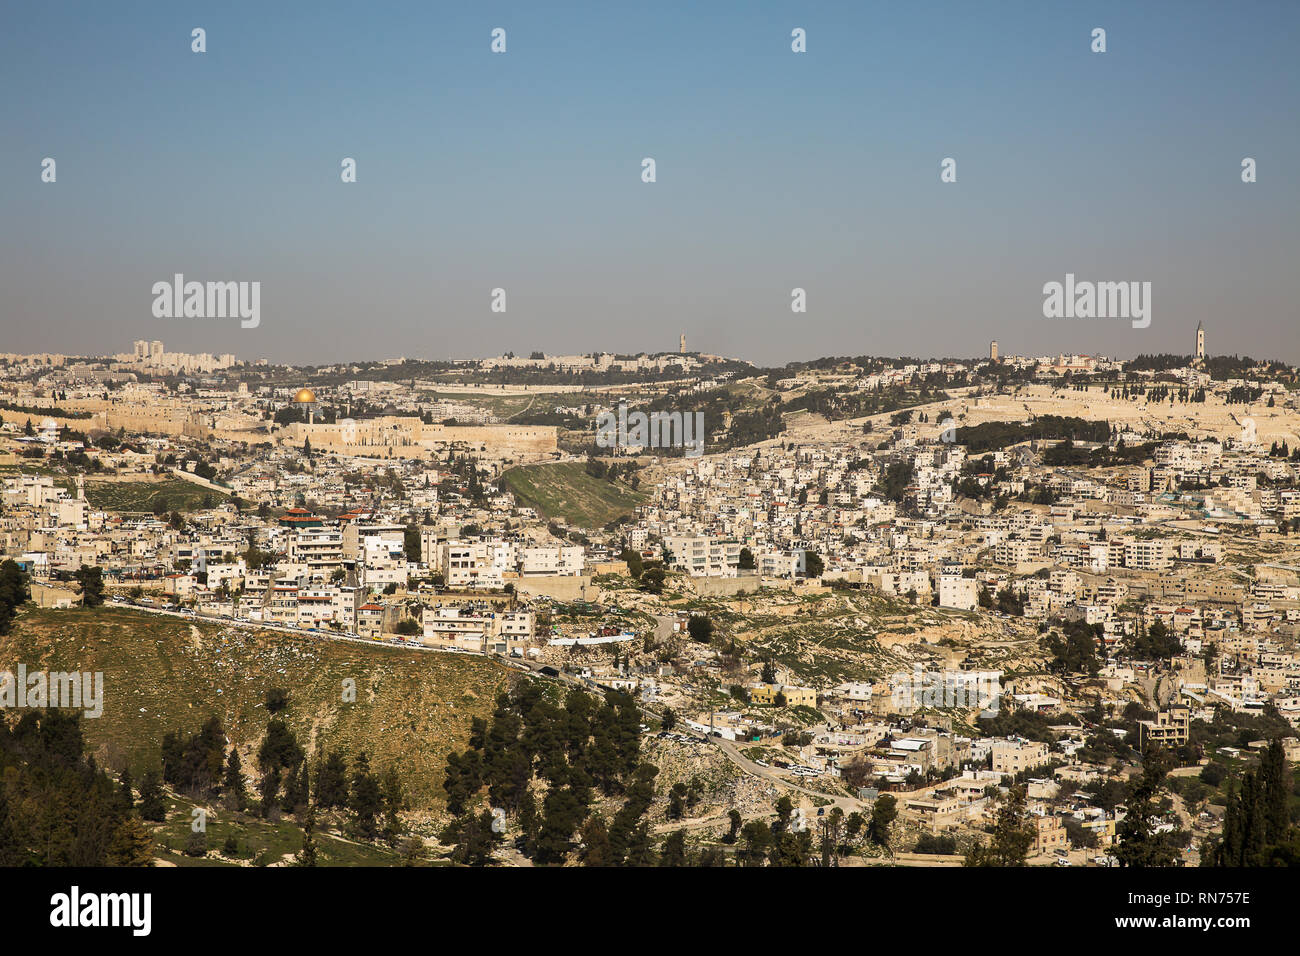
(307, 855)
(674, 849)
(367, 799)
(153, 805)
(268, 789)
(394, 804)
(596, 850)
(1277, 793)
(132, 844)
(1012, 835)
(332, 782)
(235, 791)
(11, 853)
(126, 796)
(295, 790)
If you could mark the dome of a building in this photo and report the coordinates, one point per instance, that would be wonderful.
(305, 395)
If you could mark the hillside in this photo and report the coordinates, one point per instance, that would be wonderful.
(168, 494)
(162, 674)
(565, 490)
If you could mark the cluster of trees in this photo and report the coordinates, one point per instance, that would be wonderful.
(14, 592)
(54, 411)
(1075, 650)
(753, 426)
(649, 574)
(1219, 367)
(1159, 393)
(193, 765)
(1257, 828)
(1142, 839)
(989, 436)
(91, 580)
(574, 749)
(845, 402)
(1013, 835)
(893, 483)
(463, 479)
(1153, 643)
(788, 840)
(57, 808)
(200, 767)
(1007, 601)
(613, 471)
(1243, 395)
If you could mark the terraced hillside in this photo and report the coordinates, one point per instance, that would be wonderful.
(163, 674)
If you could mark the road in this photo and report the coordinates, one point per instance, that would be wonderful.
(282, 628)
(846, 803)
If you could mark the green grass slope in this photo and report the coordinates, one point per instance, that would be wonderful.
(565, 490)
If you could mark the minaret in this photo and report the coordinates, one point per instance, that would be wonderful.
(1200, 343)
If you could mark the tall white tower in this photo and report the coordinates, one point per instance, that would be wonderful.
(681, 344)
(1200, 343)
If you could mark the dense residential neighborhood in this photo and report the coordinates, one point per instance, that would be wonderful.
(963, 588)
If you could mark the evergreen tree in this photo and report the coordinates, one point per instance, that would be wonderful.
(295, 788)
(11, 853)
(332, 782)
(196, 844)
(153, 805)
(674, 849)
(132, 844)
(394, 804)
(640, 849)
(268, 789)
(1012, 835)
(126, 792)
(367, 800)
(735, 819)
(596, 849)
(307, 855)
(1138, 842)
(883, 813)
(92, 585)
(232, 784)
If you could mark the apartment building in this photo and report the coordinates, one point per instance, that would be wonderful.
(1015, 755)
(958, 592)
(703, 556)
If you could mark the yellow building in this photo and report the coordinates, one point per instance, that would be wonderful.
(794, 696)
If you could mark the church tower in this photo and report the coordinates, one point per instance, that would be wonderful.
(1200, 343)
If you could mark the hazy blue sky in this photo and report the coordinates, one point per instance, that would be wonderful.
(775, 170)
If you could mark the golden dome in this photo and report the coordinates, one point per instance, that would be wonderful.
(304, 395)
